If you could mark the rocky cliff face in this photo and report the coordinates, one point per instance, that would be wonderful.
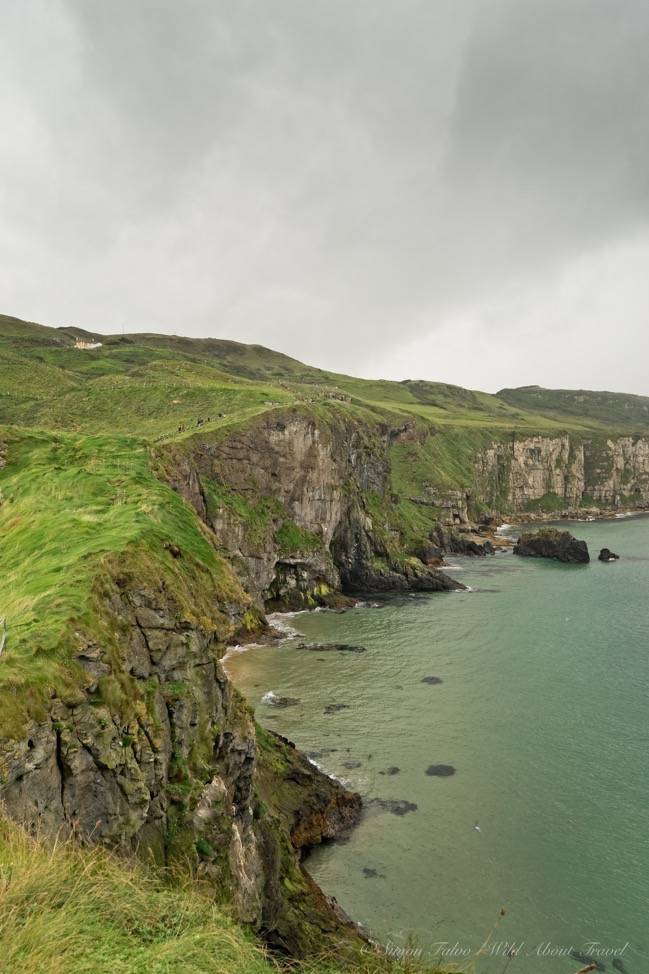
(565, 472)
(245, 486)
(621, 476)
(311, 534)
(157, 754)
(304, 505)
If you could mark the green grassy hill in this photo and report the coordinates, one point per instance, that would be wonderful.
(617, 410)
(154, 384)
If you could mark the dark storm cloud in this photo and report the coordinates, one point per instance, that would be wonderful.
(550, 132)
(444, 189)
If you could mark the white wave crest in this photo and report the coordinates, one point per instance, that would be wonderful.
(277, 620)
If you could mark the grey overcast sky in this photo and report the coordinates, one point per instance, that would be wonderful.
(455, 190)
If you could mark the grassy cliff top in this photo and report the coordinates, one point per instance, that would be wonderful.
(72, 508)
(611, 409)
(153, 384)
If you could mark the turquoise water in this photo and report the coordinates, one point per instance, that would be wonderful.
(543, 714)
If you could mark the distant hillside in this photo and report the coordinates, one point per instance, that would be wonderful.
(158, 385)
(617, 409)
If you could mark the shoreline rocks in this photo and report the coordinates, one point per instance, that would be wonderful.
(578, 514)
(550, 543)
(467, 542)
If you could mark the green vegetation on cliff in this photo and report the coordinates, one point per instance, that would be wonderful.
(70, 503)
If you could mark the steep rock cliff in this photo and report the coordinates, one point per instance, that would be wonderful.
(621, 477)
(563, 473)
(287, 498)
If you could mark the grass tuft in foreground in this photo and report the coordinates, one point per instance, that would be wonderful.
(66, 909)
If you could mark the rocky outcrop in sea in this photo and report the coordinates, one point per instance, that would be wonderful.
(607, 555)
(550, 543)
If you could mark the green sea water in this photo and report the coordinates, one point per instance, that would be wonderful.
(542, 713)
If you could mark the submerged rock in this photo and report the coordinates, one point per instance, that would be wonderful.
(392, 770)
(278, 701)
(440, 770)
(431, 680)
(583, 958)
(322, 753)
(334, 708)
(550, 543)
(396, 806)
(352, 765)
(370, 873)
(331, 648)
(607, 555)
